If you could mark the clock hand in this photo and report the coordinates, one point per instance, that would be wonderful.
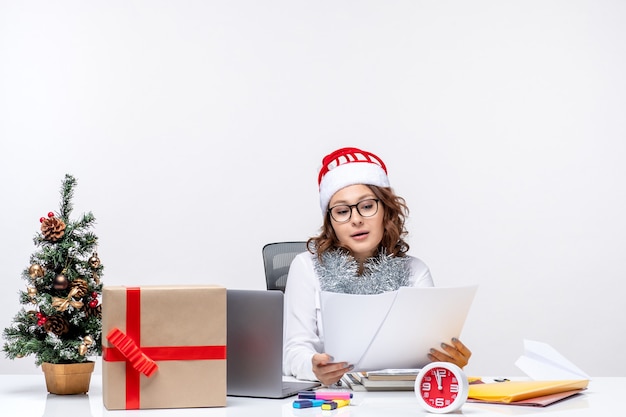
(438, 376)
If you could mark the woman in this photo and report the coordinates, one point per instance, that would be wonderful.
(360, 250)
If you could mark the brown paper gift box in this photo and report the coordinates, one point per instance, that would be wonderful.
(189, 321)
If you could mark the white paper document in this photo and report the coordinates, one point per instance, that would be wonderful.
(394, 329)
(541, 361)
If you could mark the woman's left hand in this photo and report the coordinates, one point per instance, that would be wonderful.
(457, 353)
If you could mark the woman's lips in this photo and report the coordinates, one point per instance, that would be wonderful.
(359, 235)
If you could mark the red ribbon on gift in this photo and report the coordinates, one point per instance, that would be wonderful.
(127, 347)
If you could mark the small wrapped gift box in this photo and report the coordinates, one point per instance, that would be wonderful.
(163, 347)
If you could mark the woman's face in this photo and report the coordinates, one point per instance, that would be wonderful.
(361, 234)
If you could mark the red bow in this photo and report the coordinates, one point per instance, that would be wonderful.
(132, 352)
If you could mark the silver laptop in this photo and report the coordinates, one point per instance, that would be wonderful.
(254, 346)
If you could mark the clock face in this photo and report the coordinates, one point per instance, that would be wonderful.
(441, 387)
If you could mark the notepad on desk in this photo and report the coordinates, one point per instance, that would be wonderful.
(395, 329)
(533, 393)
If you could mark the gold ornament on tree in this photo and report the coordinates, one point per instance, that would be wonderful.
(84, 347)
(36, 271)
(94, 263)
(32, 293)
(52, 228)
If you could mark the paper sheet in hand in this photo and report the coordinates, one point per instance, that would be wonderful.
(394, 329)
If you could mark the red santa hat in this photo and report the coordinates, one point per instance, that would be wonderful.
(349, 166)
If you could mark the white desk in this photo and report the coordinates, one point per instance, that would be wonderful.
(26, 396)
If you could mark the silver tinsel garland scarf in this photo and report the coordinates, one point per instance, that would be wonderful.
(338, 272)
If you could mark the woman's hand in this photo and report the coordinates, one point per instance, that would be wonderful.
(327, 371)
(457, 353)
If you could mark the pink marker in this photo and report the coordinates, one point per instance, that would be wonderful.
(325, 395)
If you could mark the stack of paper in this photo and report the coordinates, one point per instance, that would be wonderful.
(393, 374)
(360, 381)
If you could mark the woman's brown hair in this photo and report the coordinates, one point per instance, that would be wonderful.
(393, 243)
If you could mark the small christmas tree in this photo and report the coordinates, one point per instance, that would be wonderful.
(62, 322)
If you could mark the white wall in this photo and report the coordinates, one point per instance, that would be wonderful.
(196, 128)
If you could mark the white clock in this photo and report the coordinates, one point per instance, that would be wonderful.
(441, 387)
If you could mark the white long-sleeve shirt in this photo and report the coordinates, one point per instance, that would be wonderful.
(303, 328)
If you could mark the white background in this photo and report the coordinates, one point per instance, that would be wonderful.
(196, 129)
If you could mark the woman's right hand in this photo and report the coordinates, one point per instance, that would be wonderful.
(456, 353)
(327, 371)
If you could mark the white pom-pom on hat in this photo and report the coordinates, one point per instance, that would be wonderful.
(349, 166)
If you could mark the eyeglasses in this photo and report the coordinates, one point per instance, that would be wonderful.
(343, 212)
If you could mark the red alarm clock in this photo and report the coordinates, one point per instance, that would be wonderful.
(441, 387)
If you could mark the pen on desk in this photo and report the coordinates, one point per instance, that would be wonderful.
(307, 403)
(331, 405)
(324, 395)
